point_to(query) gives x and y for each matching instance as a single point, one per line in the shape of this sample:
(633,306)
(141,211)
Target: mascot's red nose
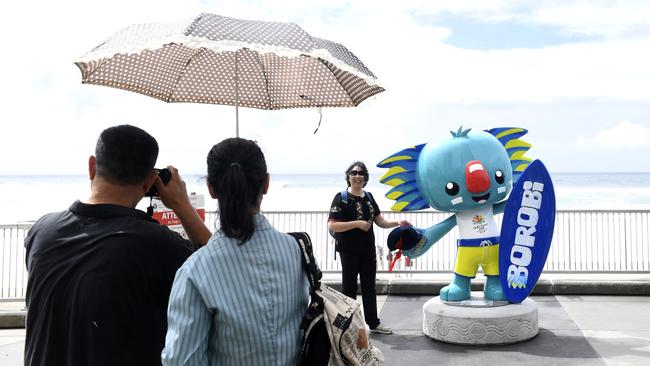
(476,177)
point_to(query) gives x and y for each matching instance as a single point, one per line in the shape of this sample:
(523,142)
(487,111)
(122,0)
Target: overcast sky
(574,73)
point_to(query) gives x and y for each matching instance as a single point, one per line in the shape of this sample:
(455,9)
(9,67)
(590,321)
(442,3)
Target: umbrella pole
(236,121)
(236,95)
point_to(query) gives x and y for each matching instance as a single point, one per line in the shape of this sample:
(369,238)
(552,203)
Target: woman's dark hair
(364,172)
(236,172)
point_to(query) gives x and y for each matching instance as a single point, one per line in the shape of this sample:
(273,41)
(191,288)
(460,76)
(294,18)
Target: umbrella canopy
(220,60)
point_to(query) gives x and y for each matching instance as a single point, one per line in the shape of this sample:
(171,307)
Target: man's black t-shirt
(357,208)
(98,287)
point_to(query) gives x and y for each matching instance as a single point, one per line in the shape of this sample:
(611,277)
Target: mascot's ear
(401,176)
(516,148)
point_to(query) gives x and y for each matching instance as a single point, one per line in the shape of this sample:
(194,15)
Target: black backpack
(333,329)
(315,348)
(344,199)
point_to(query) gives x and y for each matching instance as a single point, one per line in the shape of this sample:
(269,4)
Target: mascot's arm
(499,207)
(431,236)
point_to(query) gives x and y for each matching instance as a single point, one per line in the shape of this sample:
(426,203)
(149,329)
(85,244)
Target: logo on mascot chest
(478,223)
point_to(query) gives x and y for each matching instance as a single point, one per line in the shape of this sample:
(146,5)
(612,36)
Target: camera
(165,175)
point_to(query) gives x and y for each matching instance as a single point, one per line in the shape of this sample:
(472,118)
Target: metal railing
(583,241)
(13,274)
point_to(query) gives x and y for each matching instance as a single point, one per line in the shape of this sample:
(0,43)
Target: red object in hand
(392,264)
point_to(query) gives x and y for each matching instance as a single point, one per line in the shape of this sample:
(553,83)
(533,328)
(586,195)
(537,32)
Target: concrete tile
(598,298)
(12,332)
(610,314)
(410,298)
(543,298)
(621,347)
(404,313)
(11,354)
(9,336)
(552,316)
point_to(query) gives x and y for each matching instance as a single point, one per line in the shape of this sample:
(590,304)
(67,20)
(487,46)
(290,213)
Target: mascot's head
(470,170)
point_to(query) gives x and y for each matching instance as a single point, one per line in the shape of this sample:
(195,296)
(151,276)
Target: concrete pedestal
(479,321)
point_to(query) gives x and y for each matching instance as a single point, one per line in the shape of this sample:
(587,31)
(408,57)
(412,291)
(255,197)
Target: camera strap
(150,208)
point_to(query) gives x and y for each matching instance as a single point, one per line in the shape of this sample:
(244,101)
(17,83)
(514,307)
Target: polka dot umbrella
(220,60)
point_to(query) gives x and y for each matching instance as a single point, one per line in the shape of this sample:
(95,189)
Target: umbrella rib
(182,73)
(357,91)
(266,78)
(340,76)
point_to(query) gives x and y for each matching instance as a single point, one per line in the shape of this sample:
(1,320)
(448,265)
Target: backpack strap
(309,264)
(344,200)
(344,196)
(370,197)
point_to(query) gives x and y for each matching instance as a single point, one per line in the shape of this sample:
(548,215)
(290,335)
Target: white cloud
(600,18)
(624,135)
(611,18)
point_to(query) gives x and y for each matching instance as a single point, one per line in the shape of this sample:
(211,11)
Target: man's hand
(173,194)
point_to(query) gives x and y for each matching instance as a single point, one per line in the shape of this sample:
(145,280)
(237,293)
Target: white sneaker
(380,328)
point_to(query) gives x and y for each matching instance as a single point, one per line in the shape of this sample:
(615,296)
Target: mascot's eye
(499,177)
(452,188)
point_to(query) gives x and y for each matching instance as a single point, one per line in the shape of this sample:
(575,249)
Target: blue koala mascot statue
(469,175)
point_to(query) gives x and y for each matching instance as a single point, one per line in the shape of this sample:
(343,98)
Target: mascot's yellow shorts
(468,259)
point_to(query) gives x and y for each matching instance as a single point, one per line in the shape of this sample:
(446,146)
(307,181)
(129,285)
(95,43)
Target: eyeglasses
(352,173)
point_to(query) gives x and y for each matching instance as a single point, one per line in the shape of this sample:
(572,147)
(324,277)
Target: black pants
(363,264)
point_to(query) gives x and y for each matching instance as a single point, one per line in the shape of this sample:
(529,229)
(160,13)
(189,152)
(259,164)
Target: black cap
(403,237)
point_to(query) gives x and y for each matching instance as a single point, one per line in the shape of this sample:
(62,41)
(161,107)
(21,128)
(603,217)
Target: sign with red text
(167,217)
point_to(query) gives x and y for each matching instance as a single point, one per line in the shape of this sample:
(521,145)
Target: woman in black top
(352,219)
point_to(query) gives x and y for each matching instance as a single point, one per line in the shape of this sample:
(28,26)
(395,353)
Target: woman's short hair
(364,172)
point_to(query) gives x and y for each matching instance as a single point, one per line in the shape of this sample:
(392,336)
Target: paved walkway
(575,329)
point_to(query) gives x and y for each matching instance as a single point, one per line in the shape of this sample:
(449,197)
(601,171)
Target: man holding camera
(101,271)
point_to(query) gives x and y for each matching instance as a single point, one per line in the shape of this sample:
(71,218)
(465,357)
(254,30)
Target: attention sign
(167,217)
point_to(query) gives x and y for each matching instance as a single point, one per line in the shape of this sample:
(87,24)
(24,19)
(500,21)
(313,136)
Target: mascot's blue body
(469,175)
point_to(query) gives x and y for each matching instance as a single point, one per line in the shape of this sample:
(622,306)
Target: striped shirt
(238,304)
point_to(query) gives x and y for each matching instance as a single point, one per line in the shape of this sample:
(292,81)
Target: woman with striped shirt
(240,299)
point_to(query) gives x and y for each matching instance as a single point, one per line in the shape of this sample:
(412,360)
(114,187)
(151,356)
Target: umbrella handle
(320,119)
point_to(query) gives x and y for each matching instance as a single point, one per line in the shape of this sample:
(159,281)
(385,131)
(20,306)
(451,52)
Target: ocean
(26,198)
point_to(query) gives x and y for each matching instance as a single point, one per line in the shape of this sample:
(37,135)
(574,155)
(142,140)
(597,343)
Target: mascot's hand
(404,239)
(408,239)
(420,247)
(431,236)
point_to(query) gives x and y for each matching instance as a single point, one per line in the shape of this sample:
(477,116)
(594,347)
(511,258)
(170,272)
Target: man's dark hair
(125,154)
(364,172)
